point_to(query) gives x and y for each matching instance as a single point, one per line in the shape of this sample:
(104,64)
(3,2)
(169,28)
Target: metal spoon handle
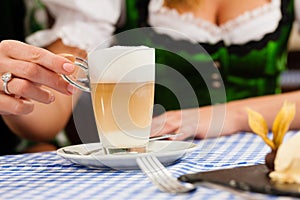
(99,149)
(164,136)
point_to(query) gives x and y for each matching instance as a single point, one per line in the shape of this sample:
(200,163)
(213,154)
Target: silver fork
(161,177)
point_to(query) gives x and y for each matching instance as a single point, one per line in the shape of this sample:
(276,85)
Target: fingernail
(71,89)
(68,67)
(52,98)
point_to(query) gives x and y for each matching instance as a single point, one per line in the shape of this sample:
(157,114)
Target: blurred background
(290,79)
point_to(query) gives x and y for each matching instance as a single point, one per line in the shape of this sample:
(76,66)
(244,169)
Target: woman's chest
(232,21)
(216,12)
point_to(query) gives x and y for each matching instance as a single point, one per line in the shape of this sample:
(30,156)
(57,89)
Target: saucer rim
(167,156)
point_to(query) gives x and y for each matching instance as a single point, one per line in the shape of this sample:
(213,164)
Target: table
(48,176)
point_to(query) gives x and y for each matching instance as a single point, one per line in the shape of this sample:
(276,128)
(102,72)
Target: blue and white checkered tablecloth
(48,176)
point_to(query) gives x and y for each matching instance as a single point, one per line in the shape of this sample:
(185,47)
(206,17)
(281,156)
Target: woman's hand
(223,119)
(32,68)
(203,122)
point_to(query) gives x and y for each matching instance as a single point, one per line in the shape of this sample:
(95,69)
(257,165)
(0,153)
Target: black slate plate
(250,178)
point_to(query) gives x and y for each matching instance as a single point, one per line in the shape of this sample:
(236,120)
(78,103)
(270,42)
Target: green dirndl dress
(248,70)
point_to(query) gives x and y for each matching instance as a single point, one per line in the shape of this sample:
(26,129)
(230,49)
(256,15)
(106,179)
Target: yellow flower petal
(282,122)
(257,123)
(259,126)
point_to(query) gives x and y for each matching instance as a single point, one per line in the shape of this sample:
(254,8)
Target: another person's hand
(32,68)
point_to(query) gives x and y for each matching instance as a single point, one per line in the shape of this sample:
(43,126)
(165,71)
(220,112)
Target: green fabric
(254,74)
(33,22)
(258,72)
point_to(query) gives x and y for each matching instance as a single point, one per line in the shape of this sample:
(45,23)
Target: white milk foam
(122,64)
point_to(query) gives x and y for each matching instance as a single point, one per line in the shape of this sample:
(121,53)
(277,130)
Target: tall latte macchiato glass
(121,83)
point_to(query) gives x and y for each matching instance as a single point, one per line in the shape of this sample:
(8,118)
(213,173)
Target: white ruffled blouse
(79,23)
(85,24)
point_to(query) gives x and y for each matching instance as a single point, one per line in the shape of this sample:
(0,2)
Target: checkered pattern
(48,176)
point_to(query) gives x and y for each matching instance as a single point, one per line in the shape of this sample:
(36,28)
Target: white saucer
(166,151)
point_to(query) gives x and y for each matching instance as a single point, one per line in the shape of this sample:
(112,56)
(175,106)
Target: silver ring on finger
(6,77)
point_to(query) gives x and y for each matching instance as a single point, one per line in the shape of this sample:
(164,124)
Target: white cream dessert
(287,161)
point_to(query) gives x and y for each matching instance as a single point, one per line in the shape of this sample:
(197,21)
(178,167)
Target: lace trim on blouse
(250,26)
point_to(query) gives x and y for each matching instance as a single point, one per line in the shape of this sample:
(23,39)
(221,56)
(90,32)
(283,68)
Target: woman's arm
(223,119)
